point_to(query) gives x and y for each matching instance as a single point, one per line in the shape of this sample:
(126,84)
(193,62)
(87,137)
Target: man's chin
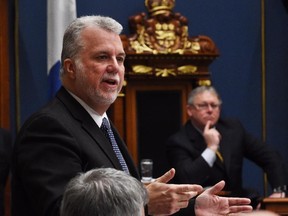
(110,98)
(105,98)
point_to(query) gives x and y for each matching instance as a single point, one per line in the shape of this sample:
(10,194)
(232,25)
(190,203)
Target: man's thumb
(216,188)
(167,176)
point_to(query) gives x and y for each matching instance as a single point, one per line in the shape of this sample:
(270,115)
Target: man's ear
(69,67)
(188,110)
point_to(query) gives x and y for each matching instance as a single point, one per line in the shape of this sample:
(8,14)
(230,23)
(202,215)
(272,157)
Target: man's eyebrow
(122,54)
(100,52)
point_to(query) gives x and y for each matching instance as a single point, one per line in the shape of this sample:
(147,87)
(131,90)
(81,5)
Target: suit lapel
(88,124)
(224,147)
(195,137)
(95,132)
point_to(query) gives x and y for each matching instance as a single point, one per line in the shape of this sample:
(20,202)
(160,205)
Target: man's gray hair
(72,43)
(102,192)
(199,90)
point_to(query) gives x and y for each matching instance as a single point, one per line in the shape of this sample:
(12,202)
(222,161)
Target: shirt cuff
(209,156)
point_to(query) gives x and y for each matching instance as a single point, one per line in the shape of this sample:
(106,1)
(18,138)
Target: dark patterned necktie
(105,127)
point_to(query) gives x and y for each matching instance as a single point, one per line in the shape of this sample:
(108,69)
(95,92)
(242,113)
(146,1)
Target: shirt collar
(95,116)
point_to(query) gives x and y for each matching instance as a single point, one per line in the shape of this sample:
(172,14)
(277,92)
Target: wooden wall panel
(4,83)
(4,66)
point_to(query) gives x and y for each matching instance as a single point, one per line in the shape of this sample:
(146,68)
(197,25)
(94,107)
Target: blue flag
(60,13)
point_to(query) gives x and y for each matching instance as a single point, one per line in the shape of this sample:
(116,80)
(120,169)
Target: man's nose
(209,107)
(113,66)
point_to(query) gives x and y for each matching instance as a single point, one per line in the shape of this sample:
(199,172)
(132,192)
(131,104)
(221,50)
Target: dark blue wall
(235,27)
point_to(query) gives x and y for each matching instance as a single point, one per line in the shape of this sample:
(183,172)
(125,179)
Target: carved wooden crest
(160,47)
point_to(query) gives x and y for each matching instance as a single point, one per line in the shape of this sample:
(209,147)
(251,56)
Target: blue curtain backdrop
(235,27)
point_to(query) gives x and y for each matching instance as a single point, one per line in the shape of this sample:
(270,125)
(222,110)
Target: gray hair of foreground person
(72,42)
(102,192)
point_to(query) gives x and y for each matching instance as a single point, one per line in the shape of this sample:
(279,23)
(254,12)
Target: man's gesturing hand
(166,199)
(208,203)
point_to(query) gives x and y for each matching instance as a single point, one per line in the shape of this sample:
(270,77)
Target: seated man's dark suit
(184,154)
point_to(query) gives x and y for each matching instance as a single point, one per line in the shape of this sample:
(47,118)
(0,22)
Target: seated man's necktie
(219,155)
(105,127)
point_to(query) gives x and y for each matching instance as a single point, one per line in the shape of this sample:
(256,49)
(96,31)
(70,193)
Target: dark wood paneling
(4,83)
(4,67)
(153,111)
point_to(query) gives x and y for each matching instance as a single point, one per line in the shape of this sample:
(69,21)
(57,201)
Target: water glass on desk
(146,167)
(282,189)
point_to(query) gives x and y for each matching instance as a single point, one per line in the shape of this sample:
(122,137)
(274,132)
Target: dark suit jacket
(184,154)
(5,159)
(54,145)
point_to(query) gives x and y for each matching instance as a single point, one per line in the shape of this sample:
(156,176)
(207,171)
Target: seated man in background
(104,191)
(208,149)
(5,158)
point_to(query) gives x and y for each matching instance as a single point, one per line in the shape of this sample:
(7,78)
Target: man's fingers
(188,195)
(237,209)
(190,188)
(167,176)
(239,201)
(216,188)
(239,205)
(183,204)
(188,191)
(207,126)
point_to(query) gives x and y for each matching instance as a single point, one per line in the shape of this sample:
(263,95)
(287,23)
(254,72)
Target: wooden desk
(277,205)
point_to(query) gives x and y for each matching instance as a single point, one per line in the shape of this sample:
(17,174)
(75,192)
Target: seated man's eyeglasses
(206,106)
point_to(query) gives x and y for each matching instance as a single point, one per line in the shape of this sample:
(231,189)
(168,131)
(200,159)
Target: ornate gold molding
(160,47)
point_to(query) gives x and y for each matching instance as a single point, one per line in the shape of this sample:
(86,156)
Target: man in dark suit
(5,158)
(208,149)
(65,137)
